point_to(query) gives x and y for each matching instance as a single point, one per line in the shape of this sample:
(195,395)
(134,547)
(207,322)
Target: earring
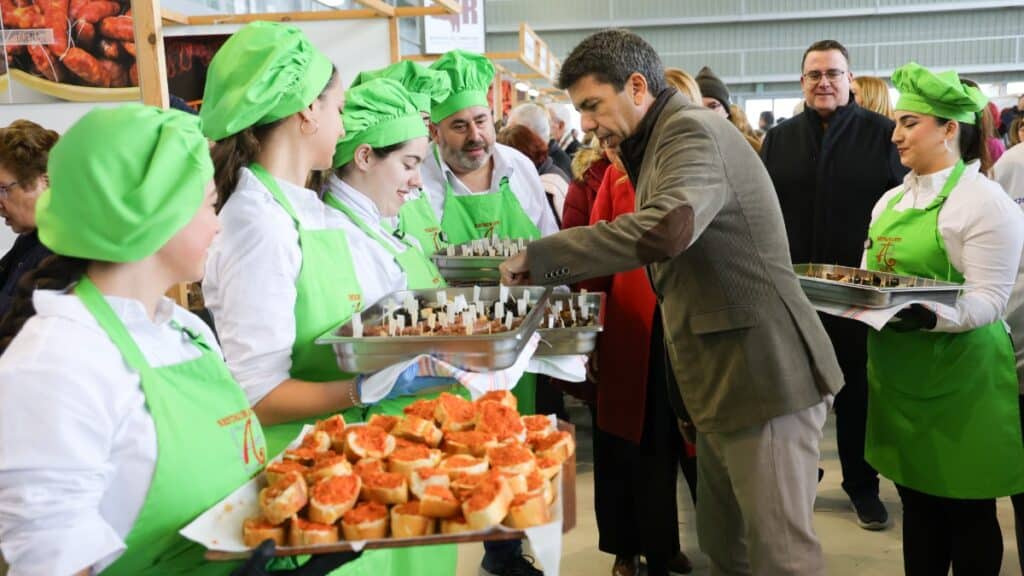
(302,127)
(946,144)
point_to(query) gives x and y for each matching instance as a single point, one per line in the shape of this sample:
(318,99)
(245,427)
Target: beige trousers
(755,497)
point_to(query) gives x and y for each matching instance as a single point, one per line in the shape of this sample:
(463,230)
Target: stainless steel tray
(906,288)
(574,340)
(479,353)
(468,268)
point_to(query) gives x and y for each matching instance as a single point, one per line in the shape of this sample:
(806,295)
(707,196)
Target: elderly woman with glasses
(24,148)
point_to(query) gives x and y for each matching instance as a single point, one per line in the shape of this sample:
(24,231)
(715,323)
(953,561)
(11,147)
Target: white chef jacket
(1009,172)
(251,273)
(77,444)
(383,275)
(983,232)
(508,162)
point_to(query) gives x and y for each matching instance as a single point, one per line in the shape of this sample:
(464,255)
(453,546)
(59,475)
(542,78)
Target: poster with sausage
(71,50)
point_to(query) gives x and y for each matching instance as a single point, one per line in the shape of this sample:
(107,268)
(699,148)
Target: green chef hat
(471,75)
(123,181)
(426,87)
(942,95)
(264,72)
(379,113)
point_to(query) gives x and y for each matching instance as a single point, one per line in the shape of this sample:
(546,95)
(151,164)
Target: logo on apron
(488,227)
(253,453)
(884,257)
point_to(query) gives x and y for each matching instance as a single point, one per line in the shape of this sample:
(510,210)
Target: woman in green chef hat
(113,399)
(377,163)
(943,416)
(282,271)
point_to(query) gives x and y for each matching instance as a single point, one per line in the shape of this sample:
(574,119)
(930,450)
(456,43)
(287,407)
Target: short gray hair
(533,116)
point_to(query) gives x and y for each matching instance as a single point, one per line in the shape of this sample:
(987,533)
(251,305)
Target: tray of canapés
(571,323)
(871,289)
(447,470)
(477,260)
(475,328)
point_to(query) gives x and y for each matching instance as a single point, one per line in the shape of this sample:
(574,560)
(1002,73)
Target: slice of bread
(305,533)
(335,429)
(385,488)
(284,499)
(331,498)
(454,413)
(328,466)
(420,430)
(421,478)
(367,521)
(368,442)
(408,521)
(439,502)
(488,504)
(526,511)
(256,530)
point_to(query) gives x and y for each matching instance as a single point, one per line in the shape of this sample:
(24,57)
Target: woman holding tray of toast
(943,415)
(114,400)
(286,267)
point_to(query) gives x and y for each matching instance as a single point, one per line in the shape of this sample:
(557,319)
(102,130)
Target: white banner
(464,31)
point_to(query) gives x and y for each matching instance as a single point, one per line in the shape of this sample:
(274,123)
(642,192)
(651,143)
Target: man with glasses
(830,164)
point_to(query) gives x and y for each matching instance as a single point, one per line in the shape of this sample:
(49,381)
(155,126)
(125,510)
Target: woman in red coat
(636,439)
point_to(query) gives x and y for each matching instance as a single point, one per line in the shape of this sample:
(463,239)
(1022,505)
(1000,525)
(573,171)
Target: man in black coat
(830,165)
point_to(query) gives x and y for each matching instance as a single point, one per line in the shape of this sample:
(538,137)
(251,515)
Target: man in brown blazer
(751,360)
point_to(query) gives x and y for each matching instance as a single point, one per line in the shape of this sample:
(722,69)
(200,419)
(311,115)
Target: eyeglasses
(5,189)
(832,74)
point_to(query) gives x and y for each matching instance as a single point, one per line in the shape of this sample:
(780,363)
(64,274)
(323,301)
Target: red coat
(576,212)
(580,198)
(624,346)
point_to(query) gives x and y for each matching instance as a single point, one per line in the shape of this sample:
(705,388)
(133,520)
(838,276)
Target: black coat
(561,159)
(22,258)
(828,181)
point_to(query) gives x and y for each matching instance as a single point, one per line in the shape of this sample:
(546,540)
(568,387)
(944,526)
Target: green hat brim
(910,102)
(395,131)
(458,102)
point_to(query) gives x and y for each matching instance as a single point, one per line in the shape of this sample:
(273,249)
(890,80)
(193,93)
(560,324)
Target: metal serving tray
(478,353)
(909,288)
(468,268)
(575,340)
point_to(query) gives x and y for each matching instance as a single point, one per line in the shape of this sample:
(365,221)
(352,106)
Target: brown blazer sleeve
(682,187)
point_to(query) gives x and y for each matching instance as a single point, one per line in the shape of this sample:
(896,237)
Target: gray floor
(849,550)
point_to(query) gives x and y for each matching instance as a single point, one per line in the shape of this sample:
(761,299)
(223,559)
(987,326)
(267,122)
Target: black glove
(319,564)
(915,317)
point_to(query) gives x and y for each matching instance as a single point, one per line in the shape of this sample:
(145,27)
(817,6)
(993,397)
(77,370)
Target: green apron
(943,414)
(420,271)
(204,429)
(466,217)
(331,254)
(421,274)
(327,292)
(416,218)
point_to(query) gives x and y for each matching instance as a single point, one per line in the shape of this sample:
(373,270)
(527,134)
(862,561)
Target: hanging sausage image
(90,42)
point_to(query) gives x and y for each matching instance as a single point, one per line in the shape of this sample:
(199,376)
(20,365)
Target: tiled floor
(849,550)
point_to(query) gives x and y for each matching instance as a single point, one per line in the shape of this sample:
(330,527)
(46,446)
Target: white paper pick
(503,293)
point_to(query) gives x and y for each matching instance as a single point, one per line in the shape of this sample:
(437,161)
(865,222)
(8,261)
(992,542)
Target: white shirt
(251,273)
(382,275)
(508,162)
(983,232)
(1009,172)
(77,444)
